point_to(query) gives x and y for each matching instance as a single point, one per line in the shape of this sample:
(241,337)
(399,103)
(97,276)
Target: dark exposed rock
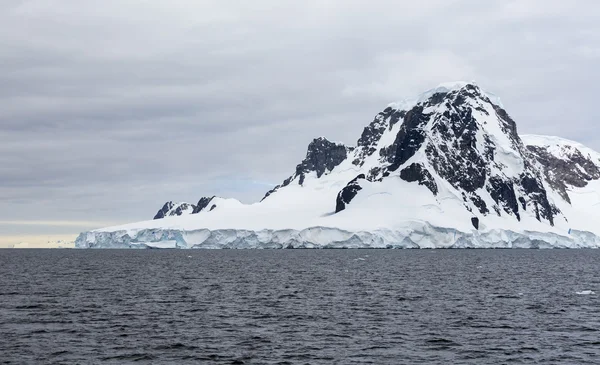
(183,207)
(375,174)
(162,211)
(509,127)
(456,158)
(272,191)
(534,189)
(167,210)
(202,203)
(417,172)
(479,203)
(373,132)
(503,193)
(322,156)
(408,140)
(475,222)
(348,193)
(523,203)
(574,170)
(436,99)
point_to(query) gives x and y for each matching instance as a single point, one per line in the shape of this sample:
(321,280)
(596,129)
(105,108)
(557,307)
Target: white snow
(446,87)
(390,213)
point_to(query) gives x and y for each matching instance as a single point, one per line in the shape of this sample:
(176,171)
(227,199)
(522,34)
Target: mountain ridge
(451,158)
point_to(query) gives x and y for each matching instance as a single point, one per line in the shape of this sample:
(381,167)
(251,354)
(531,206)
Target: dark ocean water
(300,306)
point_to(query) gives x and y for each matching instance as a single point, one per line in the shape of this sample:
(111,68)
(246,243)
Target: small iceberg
(586,292)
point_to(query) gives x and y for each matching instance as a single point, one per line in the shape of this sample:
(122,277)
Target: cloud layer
(108,109)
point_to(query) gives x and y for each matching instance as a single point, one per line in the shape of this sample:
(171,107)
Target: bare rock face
(416,172)
(348,193)
(572,168)
(171,209)
(322,156)
(203,204)
(162,212)
(367,142)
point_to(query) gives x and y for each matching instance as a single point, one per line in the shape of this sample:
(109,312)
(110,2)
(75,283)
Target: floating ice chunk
(586,292)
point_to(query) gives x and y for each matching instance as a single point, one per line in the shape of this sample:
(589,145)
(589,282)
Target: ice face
(414,235)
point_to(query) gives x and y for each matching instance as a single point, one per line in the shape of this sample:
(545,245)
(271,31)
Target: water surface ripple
(300,306)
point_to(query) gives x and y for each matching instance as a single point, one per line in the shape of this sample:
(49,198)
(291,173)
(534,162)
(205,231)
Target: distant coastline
(53,241)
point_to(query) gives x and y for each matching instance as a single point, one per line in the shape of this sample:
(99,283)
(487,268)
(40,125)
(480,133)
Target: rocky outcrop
(322,156)
(416,172)
(348,193)
(203,204)
(370,136)
(571,168)
(409,140)
(171,209)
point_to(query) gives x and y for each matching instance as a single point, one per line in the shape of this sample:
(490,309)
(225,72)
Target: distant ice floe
(586,292)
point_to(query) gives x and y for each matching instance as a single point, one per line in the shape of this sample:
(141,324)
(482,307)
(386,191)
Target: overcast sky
(110,108)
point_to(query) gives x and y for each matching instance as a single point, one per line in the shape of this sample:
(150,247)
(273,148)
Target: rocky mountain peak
(171,209)
(204,203)
(464,138)
(456,135)
(322,156)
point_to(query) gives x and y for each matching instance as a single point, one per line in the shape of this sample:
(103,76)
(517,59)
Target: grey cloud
(107,109)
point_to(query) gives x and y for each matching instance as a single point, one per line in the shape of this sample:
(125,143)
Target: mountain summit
(446,169)
(457,140)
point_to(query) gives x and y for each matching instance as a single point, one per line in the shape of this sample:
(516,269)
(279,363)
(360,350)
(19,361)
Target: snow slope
(444,170)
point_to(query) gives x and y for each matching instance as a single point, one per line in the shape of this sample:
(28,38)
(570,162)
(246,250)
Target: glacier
(446,169)
(414,236)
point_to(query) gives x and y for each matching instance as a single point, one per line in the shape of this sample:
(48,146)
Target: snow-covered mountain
(446,169)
